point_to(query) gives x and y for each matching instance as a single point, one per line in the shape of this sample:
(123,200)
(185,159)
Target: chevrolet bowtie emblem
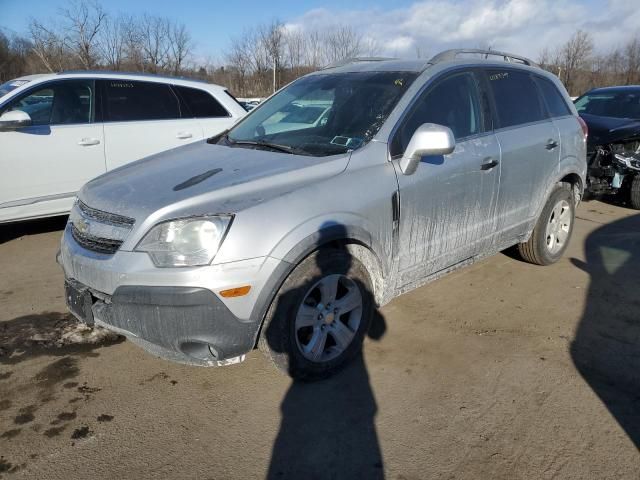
(82,225)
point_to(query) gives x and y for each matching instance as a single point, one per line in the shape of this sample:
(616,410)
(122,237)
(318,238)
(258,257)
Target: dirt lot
(502,370)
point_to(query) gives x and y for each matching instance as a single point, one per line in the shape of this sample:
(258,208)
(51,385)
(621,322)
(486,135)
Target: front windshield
(324,114)
(11,85)
(620,104)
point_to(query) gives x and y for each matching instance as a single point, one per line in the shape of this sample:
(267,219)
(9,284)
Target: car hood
(204,179)
(604,130)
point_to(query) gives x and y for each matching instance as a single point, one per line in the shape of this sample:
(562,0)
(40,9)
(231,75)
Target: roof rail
(125,72)
(507,57)
(347,61)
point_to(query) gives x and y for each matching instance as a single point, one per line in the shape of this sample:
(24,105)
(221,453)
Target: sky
(400,28)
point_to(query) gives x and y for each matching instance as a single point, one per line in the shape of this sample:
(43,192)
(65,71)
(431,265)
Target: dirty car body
(395,189)
(613,149)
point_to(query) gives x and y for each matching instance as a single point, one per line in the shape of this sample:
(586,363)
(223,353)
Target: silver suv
(345,189)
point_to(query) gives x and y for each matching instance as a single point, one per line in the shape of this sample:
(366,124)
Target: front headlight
(186,242)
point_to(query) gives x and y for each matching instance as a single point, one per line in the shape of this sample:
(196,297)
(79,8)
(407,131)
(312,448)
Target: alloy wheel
(328,318)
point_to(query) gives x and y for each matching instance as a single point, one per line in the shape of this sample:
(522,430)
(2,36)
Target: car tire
(302,315)
(552,232)
(634,193)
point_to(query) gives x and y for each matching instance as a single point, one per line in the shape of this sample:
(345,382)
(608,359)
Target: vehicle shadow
(606,347)
(327,428)
(11,231)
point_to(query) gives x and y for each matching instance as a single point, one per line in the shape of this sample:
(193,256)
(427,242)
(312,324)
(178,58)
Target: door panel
(45,164)
(130,141)
(528,164)
(530,145)
(447,206)
(142,119)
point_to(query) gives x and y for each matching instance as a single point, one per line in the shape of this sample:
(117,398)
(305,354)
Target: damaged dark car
(612,115)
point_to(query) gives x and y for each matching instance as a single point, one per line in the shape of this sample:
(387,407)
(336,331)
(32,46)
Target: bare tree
(134,55)
(342,42)
(314,46)
(239,60)
(295,51)
(47,46)
(632,61)
(153,35)
(262,58)
(113,40)
(83,21)
(272,38)
(573,56)
(180,46)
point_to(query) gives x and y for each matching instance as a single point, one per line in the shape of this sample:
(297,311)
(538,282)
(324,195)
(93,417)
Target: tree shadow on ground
(327,428)
(606,347)
(11,231)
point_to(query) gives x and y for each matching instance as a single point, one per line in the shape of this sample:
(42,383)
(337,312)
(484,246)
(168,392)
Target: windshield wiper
(216,138)
(273,146)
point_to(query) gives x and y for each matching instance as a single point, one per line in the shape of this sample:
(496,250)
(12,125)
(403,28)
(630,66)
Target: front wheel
(319,317)
(552,233)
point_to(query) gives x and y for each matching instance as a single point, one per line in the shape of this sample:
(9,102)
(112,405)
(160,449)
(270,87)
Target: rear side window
(127,101)
(452,102)
(556,106)
(200,104)
(516,98)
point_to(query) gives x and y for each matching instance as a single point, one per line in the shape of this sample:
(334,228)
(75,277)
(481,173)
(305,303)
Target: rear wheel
(634,193)
(319,317)
(552,233)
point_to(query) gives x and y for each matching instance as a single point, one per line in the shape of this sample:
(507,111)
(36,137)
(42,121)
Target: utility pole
(275,65)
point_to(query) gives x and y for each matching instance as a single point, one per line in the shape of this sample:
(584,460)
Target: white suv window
(129,101)
(57,103)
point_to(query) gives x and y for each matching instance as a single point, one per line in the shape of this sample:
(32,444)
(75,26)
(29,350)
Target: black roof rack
(449,55)
(348,61)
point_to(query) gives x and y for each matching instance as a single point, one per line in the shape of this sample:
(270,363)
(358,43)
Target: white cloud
(520,26)
(400,44)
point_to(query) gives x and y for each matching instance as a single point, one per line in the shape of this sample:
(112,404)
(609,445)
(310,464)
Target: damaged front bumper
(173,313)
(183,324)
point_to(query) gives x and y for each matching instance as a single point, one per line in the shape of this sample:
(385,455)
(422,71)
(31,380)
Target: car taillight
(585,129)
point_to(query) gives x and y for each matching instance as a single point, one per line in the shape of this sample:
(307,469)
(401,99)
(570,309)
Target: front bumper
(184,324)
(174,313)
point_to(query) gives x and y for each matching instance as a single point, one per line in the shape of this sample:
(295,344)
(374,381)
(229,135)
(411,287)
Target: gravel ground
(503,370)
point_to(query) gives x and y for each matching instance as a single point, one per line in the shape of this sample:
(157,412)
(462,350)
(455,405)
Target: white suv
(58,131)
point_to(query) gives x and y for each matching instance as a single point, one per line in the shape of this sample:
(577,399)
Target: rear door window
(516,98)
(58,103)
(129,101)
(556,105)
(453,102)
(199,104)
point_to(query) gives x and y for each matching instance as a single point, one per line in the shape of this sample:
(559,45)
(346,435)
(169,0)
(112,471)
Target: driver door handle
(489,163)
(87,142)
(551,144)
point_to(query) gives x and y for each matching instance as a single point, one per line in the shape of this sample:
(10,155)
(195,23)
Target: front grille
(105,217)
(95,244)
(97,230)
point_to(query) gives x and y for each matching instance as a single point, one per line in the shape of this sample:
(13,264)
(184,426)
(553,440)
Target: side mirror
(13,120)
(428,139)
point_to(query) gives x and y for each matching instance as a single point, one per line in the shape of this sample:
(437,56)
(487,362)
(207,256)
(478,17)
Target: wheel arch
(353,239)
(577,185)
